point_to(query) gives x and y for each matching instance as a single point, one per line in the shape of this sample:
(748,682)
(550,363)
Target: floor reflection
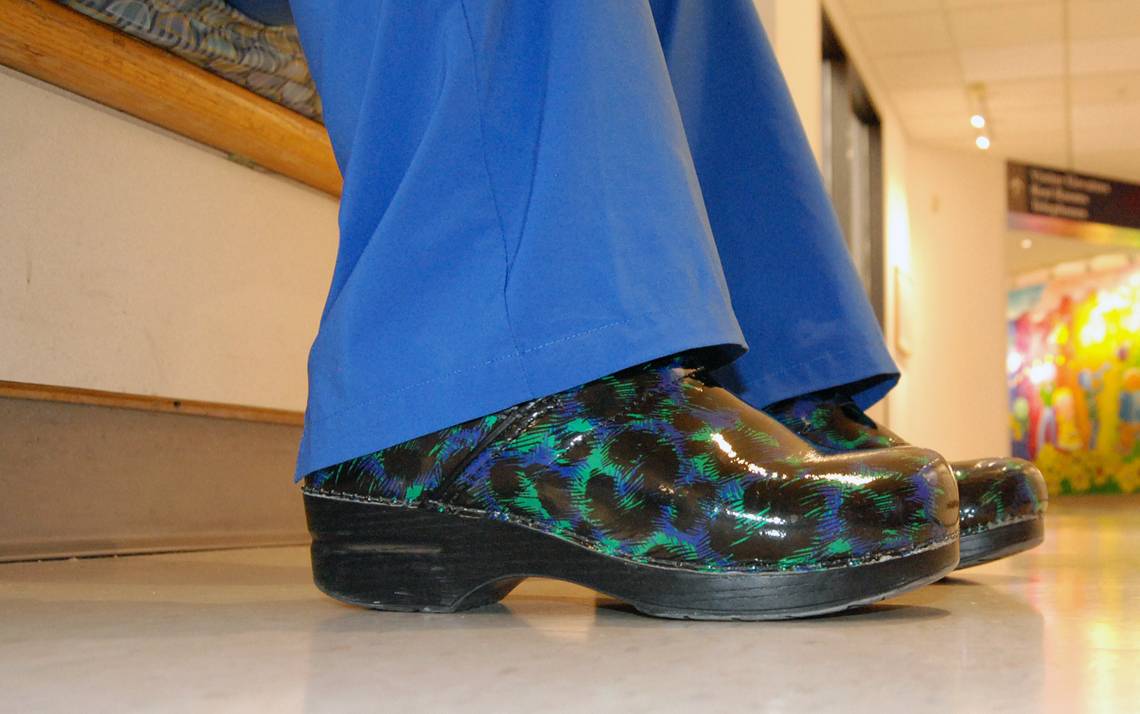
(1057,629)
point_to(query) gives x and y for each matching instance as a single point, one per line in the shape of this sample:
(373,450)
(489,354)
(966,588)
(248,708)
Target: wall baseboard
(82,479)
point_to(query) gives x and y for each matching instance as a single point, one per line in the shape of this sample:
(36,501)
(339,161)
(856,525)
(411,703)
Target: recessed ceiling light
(982,142)
(1027,243)
(977,121)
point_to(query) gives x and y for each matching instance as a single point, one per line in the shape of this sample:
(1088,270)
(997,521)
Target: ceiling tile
(940,128)
(1104,18)
(1101,88)
(926,56)
(1118,164)
(956,144)
(862,8)
(1042,154)
(1023,121)
(1037,146)
(1027,138)
(901,34)
(1106,127)
(1003,63)
(1025,93)
(1044,148)
(1121,54)
(952,4)
(922,71)
(923,102)
(1008,25)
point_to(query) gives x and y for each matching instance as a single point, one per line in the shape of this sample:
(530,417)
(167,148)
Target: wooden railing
(62,47)
(170,405)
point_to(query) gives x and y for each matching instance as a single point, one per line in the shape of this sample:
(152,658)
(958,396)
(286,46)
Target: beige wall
(794,28)
(951,312)
(133,260)
(945,223)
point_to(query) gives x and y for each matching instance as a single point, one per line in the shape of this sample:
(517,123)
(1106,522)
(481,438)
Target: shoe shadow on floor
(545,625)
(968,579)
(879,612)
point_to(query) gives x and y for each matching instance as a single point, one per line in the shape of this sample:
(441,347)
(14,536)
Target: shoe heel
(401,558)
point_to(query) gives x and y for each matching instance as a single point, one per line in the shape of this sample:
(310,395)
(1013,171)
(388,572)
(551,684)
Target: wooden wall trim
(141,402)
(65,48)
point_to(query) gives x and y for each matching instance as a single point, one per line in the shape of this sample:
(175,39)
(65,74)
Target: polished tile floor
(1057,629)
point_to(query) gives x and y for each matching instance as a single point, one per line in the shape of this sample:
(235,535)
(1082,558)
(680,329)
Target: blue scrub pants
(538,194)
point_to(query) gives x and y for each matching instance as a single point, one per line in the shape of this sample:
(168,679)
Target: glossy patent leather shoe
(652,486)
(1003,500)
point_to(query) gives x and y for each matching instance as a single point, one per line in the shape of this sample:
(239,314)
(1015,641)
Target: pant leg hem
(868,367)
(377,421)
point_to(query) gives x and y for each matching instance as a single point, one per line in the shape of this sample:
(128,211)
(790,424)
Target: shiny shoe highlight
(653,486)
(1003,500)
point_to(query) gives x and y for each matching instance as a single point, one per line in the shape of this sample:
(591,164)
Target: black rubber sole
(985,546)
(390,557)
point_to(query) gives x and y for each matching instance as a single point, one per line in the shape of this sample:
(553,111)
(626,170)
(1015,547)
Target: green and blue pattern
(660,466)
(994,492)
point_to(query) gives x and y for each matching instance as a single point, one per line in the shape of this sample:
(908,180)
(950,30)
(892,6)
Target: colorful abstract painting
(1074,380)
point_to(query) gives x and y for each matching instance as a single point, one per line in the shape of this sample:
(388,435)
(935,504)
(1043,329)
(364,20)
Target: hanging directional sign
(1074,205)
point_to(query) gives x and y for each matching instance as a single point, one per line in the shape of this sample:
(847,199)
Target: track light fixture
(978,116)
